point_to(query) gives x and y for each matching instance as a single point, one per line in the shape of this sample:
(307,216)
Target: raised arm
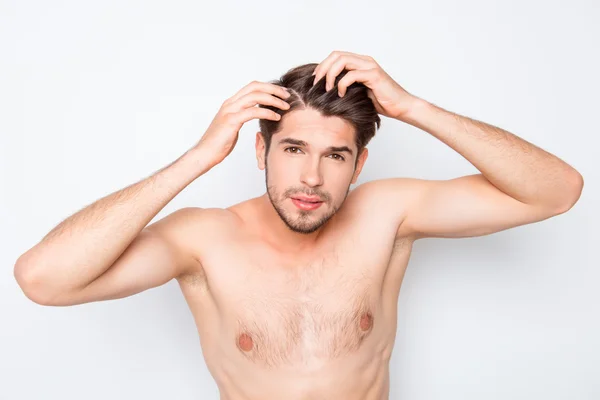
(104,250)
(108,241)
(162,251)
(519,182)
(466,206)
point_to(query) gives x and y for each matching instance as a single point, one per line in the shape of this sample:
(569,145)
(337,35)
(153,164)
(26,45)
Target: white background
(97,95)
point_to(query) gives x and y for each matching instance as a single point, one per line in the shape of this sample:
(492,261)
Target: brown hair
(355,107)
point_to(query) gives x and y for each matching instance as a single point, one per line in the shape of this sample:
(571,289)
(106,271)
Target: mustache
(295,191)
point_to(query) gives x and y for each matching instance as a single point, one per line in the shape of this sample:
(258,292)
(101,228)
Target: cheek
(281,176)
(340,177)
(341,184)
(284,170)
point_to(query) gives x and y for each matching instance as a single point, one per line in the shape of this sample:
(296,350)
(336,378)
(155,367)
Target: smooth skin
(289,303)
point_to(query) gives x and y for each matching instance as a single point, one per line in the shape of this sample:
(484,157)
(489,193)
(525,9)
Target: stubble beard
(304,223)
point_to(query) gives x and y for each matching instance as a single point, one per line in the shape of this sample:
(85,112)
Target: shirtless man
(294,293)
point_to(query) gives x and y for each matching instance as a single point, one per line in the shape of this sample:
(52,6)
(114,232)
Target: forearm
(87,243)
(515,166)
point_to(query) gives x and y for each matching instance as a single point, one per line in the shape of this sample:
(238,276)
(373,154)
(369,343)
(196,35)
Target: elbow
(575,188)
(30,285)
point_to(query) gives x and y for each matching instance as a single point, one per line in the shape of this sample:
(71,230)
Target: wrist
(414,111)
(200,158)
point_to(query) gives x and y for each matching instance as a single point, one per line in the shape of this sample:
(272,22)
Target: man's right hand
(222,134)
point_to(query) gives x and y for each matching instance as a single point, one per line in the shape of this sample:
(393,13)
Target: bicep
(467,206)
(153,258)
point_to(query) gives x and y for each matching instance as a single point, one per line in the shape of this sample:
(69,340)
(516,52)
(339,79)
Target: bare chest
(299,311)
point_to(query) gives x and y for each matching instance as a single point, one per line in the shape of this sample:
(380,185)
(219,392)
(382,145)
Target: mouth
(305,203)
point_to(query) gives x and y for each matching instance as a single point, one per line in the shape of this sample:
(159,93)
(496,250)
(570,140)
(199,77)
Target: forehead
(313,127)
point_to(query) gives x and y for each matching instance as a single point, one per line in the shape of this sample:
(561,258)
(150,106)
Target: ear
(359,165)
(260,150)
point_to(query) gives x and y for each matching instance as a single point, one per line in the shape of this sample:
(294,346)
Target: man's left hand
(390,99)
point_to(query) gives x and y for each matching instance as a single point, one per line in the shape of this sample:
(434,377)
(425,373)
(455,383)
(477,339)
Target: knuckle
(243,98)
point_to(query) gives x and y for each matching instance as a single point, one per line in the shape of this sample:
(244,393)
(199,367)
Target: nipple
(245,342)
(366,321)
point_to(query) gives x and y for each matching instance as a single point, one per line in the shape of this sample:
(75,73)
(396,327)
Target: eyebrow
(303,143)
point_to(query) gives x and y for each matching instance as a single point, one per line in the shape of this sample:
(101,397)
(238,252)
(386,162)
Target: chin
(307,221)
(304,229)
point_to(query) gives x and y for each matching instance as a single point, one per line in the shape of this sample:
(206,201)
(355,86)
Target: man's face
(312,156)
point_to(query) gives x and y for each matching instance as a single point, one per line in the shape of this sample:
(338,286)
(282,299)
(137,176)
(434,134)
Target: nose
(311,174)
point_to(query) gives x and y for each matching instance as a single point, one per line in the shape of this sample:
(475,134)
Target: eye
(339,157)
(293,149)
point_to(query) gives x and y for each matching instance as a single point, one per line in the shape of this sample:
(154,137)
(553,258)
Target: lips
(308,199)
(306,205)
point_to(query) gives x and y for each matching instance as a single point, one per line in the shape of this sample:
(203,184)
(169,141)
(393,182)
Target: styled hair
(355,107)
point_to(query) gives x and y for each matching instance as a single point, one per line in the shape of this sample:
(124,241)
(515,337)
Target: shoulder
(191,220)
(191,230)
(388,199)
(388,193)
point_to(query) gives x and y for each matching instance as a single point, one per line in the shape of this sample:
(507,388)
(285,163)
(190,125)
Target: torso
(320,325)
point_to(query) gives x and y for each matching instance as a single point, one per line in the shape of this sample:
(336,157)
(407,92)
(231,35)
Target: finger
(324,66)
(254,98)
(364,76)
(247,114)
(260,86)
(375,102)
(344,62)
(319,69)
